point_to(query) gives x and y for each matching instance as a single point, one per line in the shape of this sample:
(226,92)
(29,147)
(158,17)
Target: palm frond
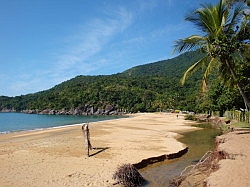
(209,19)
(190,43)
(201,18)
(192,69)
(210,66)
(236,16)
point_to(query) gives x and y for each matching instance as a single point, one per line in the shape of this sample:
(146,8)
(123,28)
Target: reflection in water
(199,142)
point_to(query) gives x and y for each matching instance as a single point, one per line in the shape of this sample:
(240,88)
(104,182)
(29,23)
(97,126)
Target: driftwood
(207,164)
(128,176)
(86,134)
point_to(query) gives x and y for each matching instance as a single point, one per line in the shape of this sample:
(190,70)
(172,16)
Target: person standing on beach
(85,130)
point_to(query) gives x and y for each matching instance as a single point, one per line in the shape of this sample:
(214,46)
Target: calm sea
(10,122)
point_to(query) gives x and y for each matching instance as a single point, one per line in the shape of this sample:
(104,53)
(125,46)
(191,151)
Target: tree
(219,98)
(231,2)
(225,42)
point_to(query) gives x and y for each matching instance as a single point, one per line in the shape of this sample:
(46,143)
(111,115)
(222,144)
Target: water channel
(199,142)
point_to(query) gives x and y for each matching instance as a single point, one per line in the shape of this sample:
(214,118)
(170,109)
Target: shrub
(190,117)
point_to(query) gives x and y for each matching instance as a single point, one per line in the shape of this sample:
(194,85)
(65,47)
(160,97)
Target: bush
(190,117)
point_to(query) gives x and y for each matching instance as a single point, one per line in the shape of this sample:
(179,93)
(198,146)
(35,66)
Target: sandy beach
(57,157)
(234,170)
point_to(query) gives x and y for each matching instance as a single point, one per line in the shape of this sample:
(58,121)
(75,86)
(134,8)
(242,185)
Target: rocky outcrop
(7,110)
(84,110)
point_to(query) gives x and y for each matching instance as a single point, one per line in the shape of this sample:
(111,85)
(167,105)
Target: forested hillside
(172,68)
(145,88)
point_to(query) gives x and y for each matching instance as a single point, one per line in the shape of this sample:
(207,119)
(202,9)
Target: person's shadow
(98,150)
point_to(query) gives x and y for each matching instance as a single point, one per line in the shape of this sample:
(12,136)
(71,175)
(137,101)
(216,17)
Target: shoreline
(39,129)
(56,156)
(60,126)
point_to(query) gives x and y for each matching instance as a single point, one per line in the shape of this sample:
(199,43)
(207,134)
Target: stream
(199,142)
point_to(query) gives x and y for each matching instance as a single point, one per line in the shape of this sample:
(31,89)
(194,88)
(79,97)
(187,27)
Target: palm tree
(222,43)
(230,2)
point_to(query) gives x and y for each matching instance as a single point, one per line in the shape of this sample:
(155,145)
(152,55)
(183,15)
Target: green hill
(148,87)
(172,68)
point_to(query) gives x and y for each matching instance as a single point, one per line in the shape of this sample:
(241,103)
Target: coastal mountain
(150,87)
(172,68)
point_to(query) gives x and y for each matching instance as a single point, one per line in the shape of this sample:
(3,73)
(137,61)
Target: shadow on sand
(98,150)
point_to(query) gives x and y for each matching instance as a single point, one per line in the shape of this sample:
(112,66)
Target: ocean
(11,122)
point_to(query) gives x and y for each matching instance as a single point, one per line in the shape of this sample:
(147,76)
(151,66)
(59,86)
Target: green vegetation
(190,117)
(150,87)
(236,125)
(225,43)
(146,88)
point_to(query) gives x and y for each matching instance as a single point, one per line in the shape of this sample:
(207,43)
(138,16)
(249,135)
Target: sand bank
(56,157)
(233,171)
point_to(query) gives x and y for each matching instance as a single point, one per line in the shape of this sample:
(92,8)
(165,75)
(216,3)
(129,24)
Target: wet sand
(57,157)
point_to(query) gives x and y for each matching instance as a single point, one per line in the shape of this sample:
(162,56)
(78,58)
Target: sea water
(10,122)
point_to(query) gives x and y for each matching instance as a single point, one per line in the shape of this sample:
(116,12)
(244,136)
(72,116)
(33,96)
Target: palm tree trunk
(246,100)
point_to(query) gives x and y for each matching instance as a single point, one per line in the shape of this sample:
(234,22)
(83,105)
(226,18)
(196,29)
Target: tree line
(225,43)
(137,89)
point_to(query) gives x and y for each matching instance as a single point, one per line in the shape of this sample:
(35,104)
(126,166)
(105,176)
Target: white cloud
(77,56)
(22,83)
(90,40)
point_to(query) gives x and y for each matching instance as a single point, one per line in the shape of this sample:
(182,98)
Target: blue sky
(46,42)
